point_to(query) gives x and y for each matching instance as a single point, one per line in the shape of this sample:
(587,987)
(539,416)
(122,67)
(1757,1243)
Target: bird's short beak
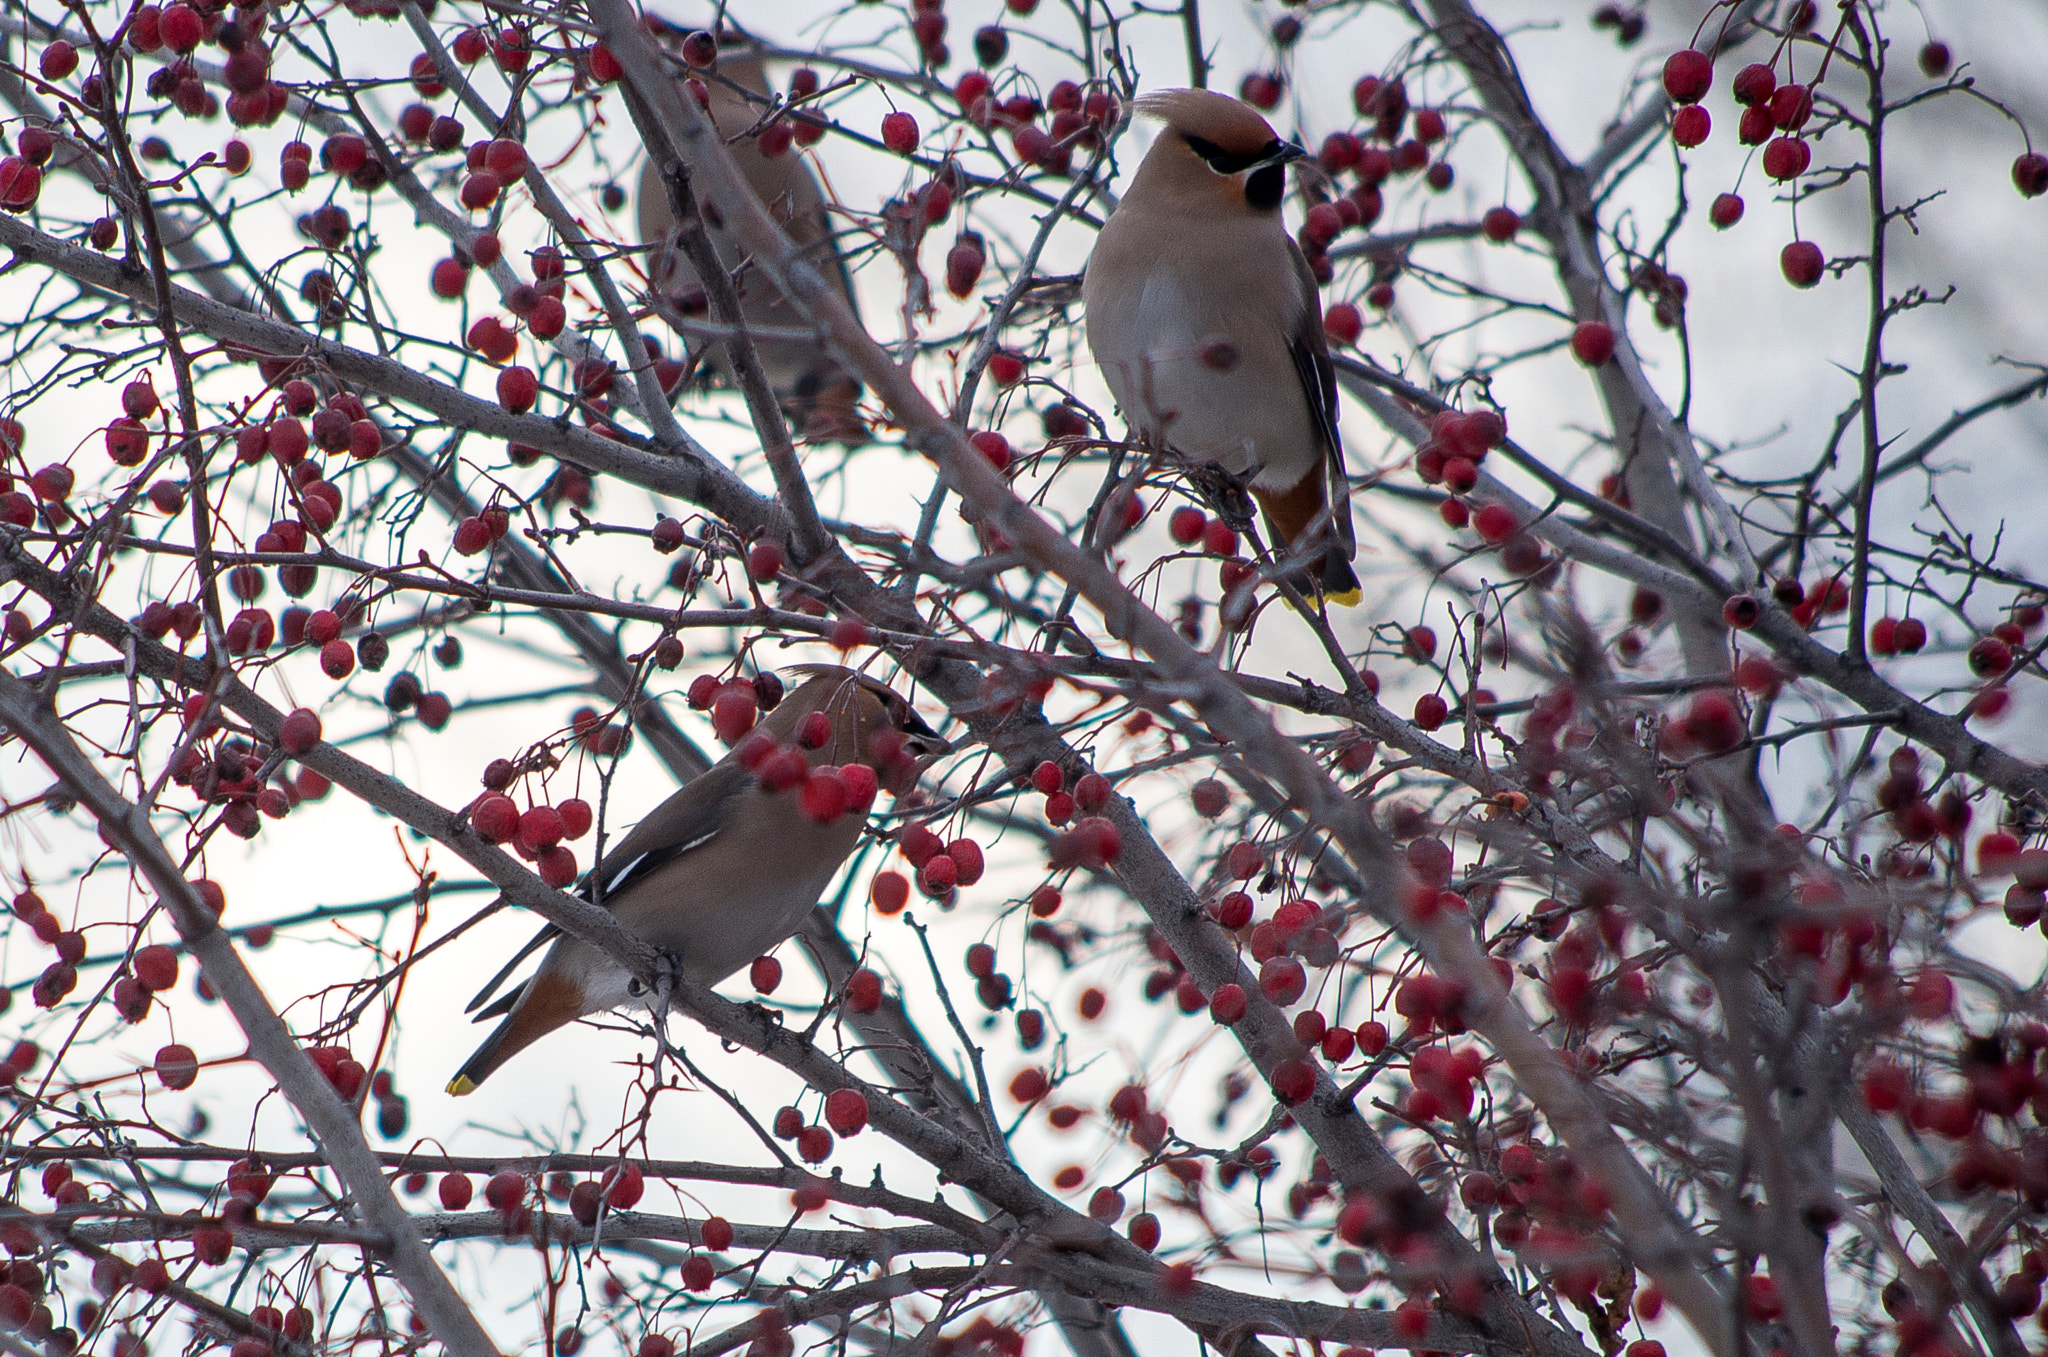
(1284,152)
(928,746)
(922,741)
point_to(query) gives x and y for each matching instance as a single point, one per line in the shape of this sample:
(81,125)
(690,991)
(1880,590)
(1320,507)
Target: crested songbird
(818,392)
(726,868)
(1203,315)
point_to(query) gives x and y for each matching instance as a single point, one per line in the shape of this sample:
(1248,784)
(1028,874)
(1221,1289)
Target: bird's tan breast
(1190,322)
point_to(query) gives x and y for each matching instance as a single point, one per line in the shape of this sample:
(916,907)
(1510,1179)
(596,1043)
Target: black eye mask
(1267,183)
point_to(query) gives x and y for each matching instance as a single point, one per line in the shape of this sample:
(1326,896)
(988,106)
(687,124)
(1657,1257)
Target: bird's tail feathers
(1330,580)
(481,1064)
(1339,583)
(547,1002)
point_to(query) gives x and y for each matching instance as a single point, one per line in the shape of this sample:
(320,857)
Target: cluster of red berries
(941,868)
(846,1115)
(536,834)
(824,791)
(1189,526)
(1081,117)
(254,99)
(1092,843)
(61,976)
(1549,1212)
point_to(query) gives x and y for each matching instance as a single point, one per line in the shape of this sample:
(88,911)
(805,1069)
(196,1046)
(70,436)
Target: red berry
(846,1112)
(1430,711)
(765,974)
(1787,157)
(968,863)
(1754,84)
(764,560)
(505,1191)
(1343,323)
(1690,125)
(180,28)
(1219,539)
(1725,211)
(1261,90)
(1500,224)
(1294,1081)
(1688,75)
(623,1186)
(814,1144)
(156,967)
(299,732)
(177,1067)
(495,818)
(59,59)
(1714,723)
(1790,107)
(1592,343)
(2030,174)
(455,1191)
(864,991)
(1802,263)
(964,263)
(1496,523)
(939,876)
(890,892)
(337,659)
(1184,525)
(1990,657)
(540,827)
(899,133)
(518,389)
(993,446)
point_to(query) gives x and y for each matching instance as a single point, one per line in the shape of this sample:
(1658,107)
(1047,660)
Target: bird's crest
(900,713)
(1228,123)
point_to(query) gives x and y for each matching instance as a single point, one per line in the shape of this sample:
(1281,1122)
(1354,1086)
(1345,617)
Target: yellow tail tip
(1350,598)
(461,1086)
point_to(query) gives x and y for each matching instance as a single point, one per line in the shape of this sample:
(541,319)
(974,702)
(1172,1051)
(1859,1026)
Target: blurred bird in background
(1204,318)
(820,395)
(725,869)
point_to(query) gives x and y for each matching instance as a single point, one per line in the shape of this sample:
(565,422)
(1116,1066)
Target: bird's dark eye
(636,987)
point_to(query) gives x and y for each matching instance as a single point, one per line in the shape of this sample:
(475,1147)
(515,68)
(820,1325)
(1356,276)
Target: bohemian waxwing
(1204,318)
(726,868)
(820,394)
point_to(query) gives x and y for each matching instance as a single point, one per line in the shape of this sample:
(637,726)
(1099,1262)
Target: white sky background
(1768,368)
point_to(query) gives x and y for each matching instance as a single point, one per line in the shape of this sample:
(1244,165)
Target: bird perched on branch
(726,868)
(1203,315)
(819,394)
